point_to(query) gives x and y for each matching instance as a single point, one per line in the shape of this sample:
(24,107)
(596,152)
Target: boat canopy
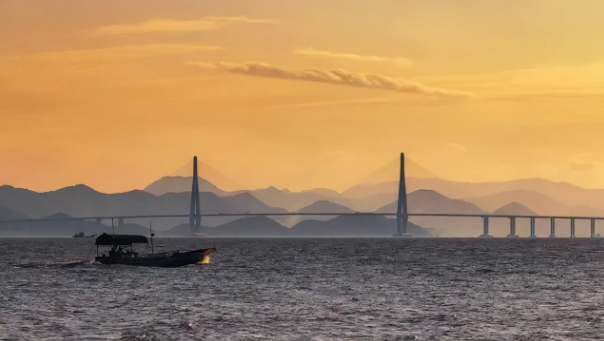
(120,239)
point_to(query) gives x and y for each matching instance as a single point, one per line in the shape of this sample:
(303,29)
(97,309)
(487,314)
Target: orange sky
(299,94)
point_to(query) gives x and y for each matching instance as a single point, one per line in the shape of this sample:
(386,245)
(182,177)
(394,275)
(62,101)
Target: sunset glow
(299,94)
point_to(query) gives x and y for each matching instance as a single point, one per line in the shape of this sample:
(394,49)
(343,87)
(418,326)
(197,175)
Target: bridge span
(485,218)
(402,215)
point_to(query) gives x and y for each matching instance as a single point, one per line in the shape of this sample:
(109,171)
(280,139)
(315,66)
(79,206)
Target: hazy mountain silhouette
(244,227)
(354,226)
(341,226)
(321,206)
(563,192)
(249,203)
(181,230)
(83,201)
(325,206)
(6,214)
(391,172)
(210,174)
(537,202)
(290,201)
(250,227)
(179,184)
(514,208)
(367,190)
(293,201)
(428,201)
(63,228)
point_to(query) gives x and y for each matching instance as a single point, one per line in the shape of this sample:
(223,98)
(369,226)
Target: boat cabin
(122,245)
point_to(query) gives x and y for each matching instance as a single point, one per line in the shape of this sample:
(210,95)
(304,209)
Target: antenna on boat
(152,234)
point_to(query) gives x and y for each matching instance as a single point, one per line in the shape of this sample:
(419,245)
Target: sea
(309,289)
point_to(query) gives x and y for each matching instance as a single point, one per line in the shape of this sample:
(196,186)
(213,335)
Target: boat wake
(51,265)
(205,260)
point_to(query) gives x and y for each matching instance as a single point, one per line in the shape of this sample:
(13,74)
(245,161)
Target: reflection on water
(308,289)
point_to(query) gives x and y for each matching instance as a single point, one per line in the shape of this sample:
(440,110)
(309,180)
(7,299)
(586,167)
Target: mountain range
(83,201)
(565,193)
(341,226)
(427,194)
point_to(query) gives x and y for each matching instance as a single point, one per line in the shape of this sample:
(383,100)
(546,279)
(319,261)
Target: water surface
(309,289)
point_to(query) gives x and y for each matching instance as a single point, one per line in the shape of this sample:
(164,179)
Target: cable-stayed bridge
(402,215)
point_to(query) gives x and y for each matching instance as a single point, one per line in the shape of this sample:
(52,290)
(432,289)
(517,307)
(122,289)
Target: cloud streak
(171,25)
(336,77)
(310,52)
(119,52)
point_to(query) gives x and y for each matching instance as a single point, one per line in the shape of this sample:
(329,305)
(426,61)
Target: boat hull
(168,261)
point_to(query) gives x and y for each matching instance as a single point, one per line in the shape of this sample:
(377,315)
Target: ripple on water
(309,289)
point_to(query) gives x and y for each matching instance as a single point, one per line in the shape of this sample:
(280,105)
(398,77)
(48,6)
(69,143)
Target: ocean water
(309,289)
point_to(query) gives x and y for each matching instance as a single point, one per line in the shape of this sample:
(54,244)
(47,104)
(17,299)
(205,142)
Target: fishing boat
(123,252)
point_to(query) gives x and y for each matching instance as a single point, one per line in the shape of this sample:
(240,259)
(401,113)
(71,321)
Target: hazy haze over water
(310,289)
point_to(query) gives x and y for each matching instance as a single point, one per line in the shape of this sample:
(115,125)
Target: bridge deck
(452,215)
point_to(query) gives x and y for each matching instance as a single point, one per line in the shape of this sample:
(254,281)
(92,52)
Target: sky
(299,94)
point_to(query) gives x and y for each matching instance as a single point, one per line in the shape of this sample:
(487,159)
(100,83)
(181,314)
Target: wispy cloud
(243,19)
(337,77)
(118,52)
(171,25)
(351,56)
(585,80)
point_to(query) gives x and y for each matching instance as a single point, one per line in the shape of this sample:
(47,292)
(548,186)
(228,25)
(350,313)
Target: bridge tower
(195,214)
(402,215)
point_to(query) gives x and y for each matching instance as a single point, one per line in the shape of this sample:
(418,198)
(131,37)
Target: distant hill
(537,202)
(6,214)
(562,192)
(248,227)
(353,226)
(325,206)
(63,228)
(83,201)
(391,172)
(210,174)
(428,201)
(178,184)
(248,203)
(514,208)
(342,226)
(294,201)
(242,227)
(291,201)
(181,230)
(321,206)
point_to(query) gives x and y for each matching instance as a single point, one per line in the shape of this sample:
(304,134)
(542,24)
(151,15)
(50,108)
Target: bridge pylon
(402,214)
(195,213)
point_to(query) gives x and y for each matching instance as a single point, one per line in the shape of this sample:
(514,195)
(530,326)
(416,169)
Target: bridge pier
(402,215)
(593,229)
(533,234)
(572,227)
(485,228)
(120,221)
(98,221)
(512,228)
(552,232)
